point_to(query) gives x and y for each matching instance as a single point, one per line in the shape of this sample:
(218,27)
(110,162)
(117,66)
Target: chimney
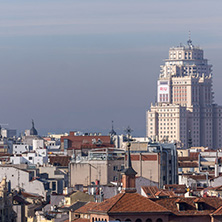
(72,133)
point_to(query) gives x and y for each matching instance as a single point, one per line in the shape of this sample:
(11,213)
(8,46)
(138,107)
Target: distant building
(20,148)
(39,156)
(201,168)
(56,176)
(32,139)
(6,204)
(156,162)
(75,144)
(23,179)
(125,206)
(33,131)
(103,164)
(130,206)
(6,145)
(8,133)
(185,109)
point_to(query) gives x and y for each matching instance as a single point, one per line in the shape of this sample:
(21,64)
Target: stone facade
(185,101)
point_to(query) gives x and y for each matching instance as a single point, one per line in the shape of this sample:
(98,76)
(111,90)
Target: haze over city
(80,64)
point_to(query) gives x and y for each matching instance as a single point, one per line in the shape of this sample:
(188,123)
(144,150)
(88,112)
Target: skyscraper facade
(185,109)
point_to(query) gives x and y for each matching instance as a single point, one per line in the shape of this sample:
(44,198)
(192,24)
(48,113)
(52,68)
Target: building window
(66,144)
(115,168)
(114,178)
(53,185)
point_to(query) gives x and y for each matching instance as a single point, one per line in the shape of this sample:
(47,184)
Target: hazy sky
(79,64)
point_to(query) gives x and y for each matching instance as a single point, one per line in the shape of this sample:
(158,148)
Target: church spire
(112,132)
(128,175)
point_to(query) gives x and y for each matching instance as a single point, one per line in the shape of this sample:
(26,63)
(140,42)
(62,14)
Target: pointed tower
(33,131)
(128,175)
(112,132)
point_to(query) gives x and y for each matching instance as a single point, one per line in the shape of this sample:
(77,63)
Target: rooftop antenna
(128,131)
(189,42)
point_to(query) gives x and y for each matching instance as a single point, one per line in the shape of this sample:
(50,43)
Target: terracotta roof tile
(211,204)
(187,164)
(128,202)
(86,208)
(217,212)
(144,157)
(177,189)
(194,154)
(150,190)
(188,158)
(165,193)
(59,160)
(153,192)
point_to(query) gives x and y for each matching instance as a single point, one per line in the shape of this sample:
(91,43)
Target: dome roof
(33,131)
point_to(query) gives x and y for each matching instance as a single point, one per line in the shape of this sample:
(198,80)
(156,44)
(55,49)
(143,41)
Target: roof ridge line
(123,194)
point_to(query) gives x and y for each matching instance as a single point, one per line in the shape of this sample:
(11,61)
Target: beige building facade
(185,105)
(86,172)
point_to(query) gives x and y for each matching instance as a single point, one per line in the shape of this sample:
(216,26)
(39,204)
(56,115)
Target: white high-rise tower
(185,106)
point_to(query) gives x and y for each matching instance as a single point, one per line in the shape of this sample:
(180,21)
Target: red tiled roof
(94,146)
(187,164)
(187,158)
(150,190)
(165,193)
(5,154)
(59,160)
(176,188)
(128,202)
(144,157)
(153,192)
(210,150)
(86,208)
(194,154)
(210,205)
(200,177)
(79,142)
(217,212)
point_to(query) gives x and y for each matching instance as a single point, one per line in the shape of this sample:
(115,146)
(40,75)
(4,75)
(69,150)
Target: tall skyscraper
(185,109)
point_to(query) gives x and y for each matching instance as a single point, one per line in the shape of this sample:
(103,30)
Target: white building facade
(185,107)
(20,148)
(37,157)
(22,179)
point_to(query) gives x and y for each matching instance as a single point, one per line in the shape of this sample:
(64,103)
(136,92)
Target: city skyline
(80,65)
